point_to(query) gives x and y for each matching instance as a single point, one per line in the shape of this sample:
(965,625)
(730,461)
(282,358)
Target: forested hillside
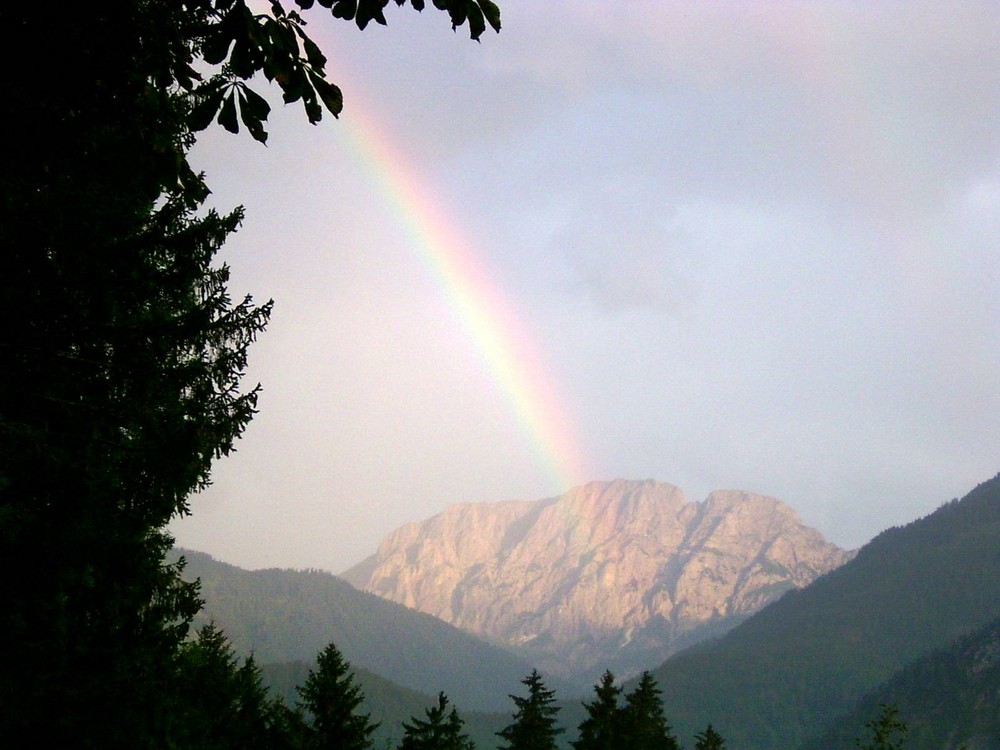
(287,615)
(948,699)
(788,671)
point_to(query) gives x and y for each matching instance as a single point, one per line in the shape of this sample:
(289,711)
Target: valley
(780,677)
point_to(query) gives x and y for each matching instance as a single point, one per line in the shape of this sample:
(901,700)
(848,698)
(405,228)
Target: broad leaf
(227,115)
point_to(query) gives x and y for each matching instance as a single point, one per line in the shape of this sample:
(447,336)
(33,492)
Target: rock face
(610,575)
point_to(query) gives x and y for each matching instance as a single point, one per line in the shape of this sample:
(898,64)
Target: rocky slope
(612,574)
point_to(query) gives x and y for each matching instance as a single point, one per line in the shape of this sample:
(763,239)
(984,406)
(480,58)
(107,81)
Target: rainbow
(509,353)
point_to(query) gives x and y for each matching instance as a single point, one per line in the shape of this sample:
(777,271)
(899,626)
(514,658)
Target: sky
(723,245)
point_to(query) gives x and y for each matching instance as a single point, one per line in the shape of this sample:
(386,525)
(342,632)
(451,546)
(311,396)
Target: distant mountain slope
(786,672)
(287,615)
(611,574)
(948,699)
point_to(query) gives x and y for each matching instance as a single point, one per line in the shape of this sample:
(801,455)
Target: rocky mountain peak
(611,574)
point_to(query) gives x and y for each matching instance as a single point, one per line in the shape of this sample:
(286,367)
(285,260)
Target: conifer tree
(601,730)
(886,731)
(441,730)
(534,724)
(709,740)
(220,704)
(643,724)
(122,351)
(331,698)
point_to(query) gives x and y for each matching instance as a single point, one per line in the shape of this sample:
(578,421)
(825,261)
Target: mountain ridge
(610,574)
(790,669)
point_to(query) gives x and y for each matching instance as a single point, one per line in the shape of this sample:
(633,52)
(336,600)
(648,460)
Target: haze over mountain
(611,574)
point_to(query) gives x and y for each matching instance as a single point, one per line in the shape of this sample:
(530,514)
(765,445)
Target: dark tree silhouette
(643,725)
(534,724)
(709,740)
(222,704)
(885,732)
(602,729)
(441,730)
(332,699)
(122,351)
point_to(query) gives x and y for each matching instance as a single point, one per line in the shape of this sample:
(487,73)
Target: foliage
(534,724)
(288,615)
(222,704)
(644,726)
(442,730)
(709,740)
(601,729)
(947,698)
(122,351)
(242,44)
(390,705)
(123,355)
(885,731)
(331,698)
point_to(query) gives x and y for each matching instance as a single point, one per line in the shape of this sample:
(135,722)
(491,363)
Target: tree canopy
(601,730)
(643,722)
(332,700)
(441,729)
(123,352)
(534,725)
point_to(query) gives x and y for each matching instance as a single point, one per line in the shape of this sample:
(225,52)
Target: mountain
(288,615)
(948,699)
(609,575)
(787,672)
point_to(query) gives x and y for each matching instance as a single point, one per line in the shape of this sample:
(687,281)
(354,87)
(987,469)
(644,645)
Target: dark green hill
(948,699)
(789,670)
(287,615)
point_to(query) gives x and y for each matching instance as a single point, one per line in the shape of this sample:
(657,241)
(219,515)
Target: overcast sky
(721,245)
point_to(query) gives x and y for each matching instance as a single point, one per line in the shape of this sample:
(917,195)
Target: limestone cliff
(612,574)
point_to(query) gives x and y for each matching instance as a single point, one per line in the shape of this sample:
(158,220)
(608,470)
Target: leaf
(293,85)
(331,95)
(205,110)
(254,124)
(215,48)
(477,24)
(313,111)
(227,115)
(459,12)
(313,54)
(254,102)
(492,13)
(370,10)
(304,4)
(346,9)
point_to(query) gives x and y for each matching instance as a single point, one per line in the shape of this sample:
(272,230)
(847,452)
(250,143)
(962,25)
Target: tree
(122,352)
(644,726)
(442,730)
(886,731)
(709,740)
(601,730)
(331,698)
(534,725)
(222,704)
